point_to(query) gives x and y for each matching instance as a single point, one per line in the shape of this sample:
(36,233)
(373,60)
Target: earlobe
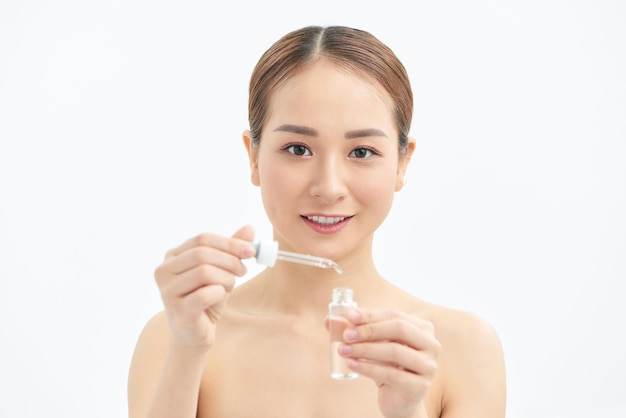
(405,159)
(400,182)
(252,156)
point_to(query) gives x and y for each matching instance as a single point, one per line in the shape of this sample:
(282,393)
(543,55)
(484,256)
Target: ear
(403,163)
(253,156)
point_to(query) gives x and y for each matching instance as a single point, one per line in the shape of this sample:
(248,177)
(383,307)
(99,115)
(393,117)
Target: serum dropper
(267,253)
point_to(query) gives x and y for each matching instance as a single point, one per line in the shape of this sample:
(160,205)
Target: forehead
(325,87)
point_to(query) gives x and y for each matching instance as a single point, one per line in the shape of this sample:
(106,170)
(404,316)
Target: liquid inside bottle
(342,302)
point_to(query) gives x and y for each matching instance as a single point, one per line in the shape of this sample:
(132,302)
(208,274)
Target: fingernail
(345,349)
(350,334)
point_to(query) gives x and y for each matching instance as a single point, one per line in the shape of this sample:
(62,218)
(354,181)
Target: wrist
(420,412)
(186,354)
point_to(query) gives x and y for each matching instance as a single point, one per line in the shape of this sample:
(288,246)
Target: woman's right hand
(195,280)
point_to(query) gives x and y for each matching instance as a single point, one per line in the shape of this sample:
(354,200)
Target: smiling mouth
(326,220)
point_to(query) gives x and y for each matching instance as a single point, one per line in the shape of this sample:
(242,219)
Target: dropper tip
(337,268)
(328,263)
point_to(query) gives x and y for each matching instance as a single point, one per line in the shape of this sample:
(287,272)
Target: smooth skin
(261,349)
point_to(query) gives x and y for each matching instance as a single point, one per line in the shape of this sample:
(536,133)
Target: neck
(305,291)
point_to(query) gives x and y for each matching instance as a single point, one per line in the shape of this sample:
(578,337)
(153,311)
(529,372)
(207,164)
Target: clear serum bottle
(342,302)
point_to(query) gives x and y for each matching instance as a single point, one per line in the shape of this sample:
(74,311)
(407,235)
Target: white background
(120,125)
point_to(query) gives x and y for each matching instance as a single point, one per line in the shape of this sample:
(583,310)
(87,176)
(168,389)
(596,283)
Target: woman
(330,111)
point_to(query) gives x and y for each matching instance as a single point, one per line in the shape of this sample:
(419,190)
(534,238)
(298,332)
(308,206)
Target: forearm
(177,389)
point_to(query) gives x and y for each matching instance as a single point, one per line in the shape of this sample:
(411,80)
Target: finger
(197,256)
(390,325)
(199,301)
(200,276)
(363,316)
(394,354)
(388,375)
(236,246)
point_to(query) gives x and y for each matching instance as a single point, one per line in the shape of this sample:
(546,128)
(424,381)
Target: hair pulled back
(355,50)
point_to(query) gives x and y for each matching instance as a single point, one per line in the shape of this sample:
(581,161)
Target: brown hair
(356,50)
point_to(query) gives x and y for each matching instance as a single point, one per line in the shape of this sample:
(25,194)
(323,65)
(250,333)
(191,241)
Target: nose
(328,181)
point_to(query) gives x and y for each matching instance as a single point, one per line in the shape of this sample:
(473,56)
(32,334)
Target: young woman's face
(328,162)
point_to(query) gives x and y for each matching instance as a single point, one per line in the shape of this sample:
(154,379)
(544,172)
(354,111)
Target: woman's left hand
(398,351)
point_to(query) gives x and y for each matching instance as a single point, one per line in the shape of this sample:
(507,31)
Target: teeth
(326,220)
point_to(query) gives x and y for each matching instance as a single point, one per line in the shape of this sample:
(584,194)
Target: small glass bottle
(338,308)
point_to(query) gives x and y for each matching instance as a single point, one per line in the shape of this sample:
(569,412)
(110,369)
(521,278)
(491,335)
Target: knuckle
(428,326)
(229,283)
(437,347)
(390,313)
(428,369)
(363,316)
(402,329)
(366,332)
(389,374)
(360,350)
(395,353)
(199,255)
(205,272)
(160,275)
(211,294)
(202,239)
(433,367)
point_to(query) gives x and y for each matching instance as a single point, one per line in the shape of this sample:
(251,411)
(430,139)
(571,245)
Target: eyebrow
(303,130)
(361,133)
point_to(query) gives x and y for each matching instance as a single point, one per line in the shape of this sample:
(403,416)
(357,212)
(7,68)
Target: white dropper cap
(266,252)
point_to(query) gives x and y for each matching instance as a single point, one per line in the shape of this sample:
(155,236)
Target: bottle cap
(266,252)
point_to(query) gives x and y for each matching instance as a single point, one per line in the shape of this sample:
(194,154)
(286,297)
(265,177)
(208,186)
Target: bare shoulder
(149,354)
(471,363)
(466,337)
(462,328)
(155,332)
(151,345)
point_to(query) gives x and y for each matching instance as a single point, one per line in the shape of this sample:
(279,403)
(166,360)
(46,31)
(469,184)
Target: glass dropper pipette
(267,253)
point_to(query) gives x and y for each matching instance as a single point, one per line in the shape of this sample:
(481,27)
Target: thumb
(245,233)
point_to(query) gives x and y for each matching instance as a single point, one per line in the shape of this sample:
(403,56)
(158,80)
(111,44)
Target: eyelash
(289,149)
(367,149)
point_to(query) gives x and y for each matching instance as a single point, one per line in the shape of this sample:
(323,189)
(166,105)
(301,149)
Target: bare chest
(266,371)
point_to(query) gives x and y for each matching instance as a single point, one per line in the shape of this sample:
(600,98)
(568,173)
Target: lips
(325,224)
(326,220)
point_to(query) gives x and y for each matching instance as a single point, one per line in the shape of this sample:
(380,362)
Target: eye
(298,149)
(362,153)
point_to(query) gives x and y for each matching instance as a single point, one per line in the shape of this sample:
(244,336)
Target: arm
(473,369)
(163,381)
(194,280)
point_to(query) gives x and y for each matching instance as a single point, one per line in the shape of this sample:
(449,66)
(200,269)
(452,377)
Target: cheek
(278,186)
(376,188)
(275,179)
